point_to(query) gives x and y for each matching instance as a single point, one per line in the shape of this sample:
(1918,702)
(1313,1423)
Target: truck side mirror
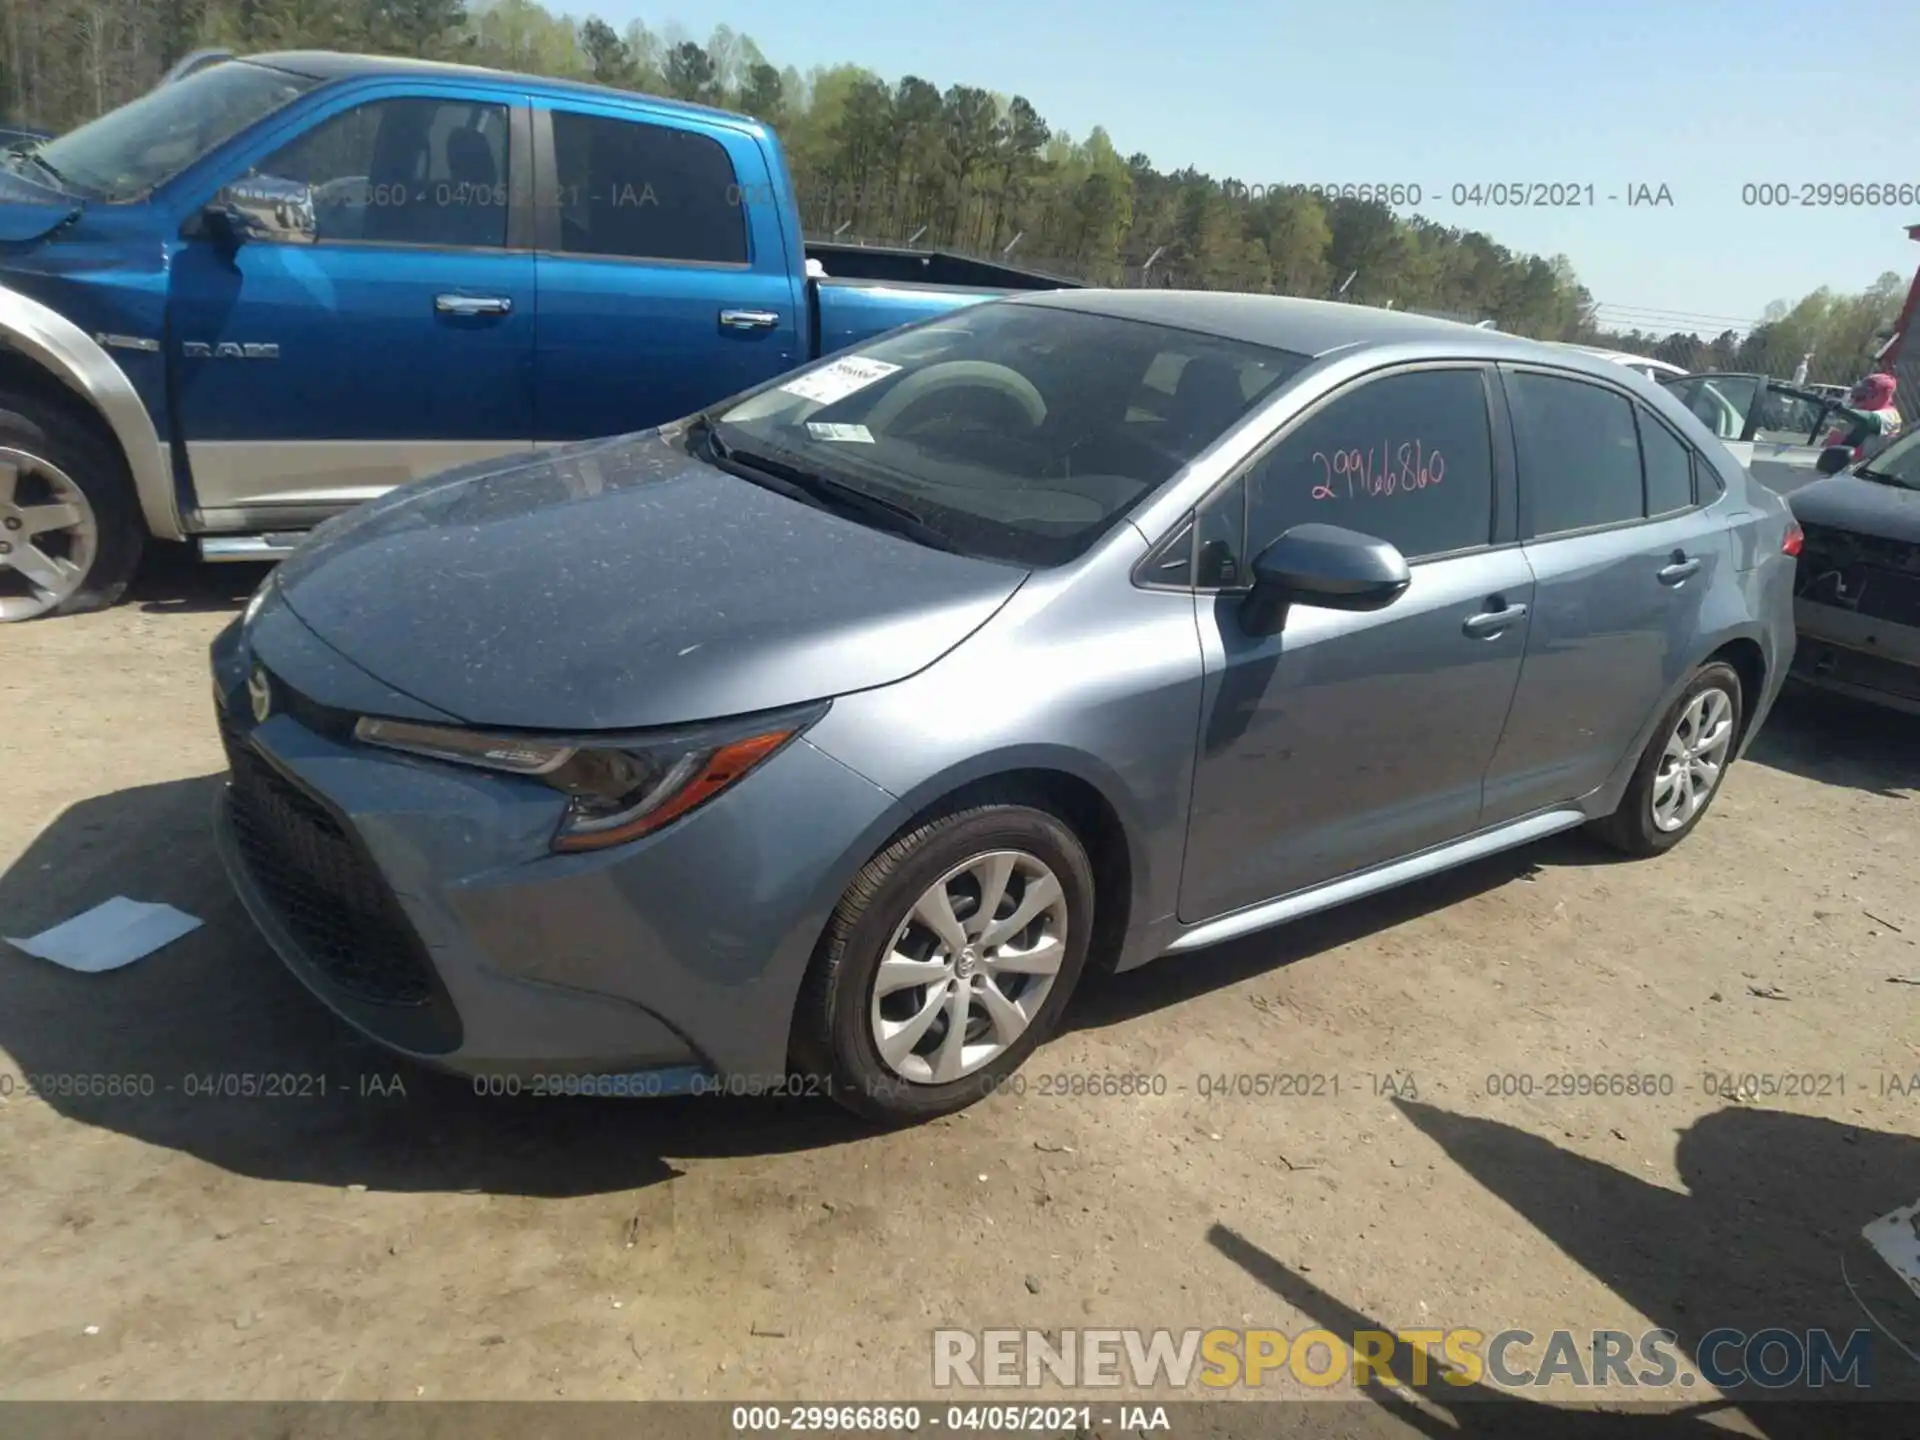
(1833,460)
(261,207)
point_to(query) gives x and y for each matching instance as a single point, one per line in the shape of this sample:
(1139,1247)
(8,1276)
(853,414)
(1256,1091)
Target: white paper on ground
(1897,1237)
(115,932)
(839,379)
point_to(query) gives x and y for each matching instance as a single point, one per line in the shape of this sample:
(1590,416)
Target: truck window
(405,172)
(645,192)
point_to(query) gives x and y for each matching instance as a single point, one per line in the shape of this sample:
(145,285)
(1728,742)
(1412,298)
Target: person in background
(1871,413)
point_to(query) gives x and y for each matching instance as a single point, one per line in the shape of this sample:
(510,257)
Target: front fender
(1143,818)
(80,363)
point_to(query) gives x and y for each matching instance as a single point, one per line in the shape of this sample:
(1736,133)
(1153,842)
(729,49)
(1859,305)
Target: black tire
(1631,828)
(51,432)
(833,1037)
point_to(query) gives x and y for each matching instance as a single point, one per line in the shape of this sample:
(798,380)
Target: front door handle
(1679,571)
(1489,623)
(473,304)
(749,319)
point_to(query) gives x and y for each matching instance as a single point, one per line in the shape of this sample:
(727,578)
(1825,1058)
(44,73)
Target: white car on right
(1652,369)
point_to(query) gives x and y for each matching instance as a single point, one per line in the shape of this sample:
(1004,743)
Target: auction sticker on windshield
(856,434)
(839,380)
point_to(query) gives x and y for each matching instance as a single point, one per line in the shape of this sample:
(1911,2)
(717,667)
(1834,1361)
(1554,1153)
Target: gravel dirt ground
(402,1237)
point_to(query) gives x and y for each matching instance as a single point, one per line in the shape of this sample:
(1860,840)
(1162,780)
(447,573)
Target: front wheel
(1681,769)
(70,531)
(948,960)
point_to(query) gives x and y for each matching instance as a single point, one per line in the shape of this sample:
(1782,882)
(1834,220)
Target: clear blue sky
(1703,96)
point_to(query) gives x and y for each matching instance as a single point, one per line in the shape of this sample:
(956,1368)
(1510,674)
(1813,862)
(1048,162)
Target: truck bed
(929,267)
(869,289)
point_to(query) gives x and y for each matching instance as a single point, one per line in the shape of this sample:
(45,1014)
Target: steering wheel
(959,374)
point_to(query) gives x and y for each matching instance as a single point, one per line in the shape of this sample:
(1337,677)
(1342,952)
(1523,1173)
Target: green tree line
(958,168)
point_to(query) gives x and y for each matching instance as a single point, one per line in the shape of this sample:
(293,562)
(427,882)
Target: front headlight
(617,790)
(256,600)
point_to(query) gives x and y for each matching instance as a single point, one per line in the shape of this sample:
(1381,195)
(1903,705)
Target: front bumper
(422,903)
(1862,656)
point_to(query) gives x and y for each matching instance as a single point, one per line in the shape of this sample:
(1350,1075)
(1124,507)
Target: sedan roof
(1304,327)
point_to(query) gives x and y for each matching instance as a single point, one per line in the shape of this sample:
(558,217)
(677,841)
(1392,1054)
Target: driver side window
(1789,418)
(404,172)
(1407,459)
(1720,402)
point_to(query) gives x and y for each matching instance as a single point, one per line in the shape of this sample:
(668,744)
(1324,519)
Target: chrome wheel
(1694,759)
(969,967)
(48,536)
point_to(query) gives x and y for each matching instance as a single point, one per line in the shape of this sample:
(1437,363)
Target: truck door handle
(749,319)
(473,304)
(1492,622)
(1679,570)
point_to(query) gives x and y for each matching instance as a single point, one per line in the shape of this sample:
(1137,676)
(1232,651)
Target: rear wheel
(1681,769)
(70,533)
(947,962)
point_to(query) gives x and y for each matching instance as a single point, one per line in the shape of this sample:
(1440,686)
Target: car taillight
(1795,537)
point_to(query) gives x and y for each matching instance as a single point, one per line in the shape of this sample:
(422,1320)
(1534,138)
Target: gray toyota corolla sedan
(823,740)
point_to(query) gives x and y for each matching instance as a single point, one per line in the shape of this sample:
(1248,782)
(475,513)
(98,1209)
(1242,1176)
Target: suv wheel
(1682,767)
(70,532)
(947,962)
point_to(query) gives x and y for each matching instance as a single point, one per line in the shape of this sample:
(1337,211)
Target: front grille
(324,888)
(1867,574)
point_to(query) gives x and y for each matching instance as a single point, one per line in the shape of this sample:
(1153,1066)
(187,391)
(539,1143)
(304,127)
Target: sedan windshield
(146,142)
(1898,464)
(1013,431)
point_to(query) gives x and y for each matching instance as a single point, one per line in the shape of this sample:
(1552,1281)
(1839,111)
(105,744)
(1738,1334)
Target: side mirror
(1323,565)
(1833,460)
(261,207)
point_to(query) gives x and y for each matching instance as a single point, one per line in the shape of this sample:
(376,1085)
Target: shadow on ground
(219,1002)
(1114,1000)
(1838,741)
(174,580)
(1765,1237)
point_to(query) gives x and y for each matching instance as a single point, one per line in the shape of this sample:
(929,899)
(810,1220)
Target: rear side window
(1578,453)
(1407,458)
(645,192)
(1669,467)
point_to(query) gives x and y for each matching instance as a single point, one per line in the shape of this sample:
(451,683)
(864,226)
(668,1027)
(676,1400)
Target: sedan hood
(622,584)
(1866,507)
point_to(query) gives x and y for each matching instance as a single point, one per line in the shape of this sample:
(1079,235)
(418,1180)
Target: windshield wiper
(30,151)
(822,489)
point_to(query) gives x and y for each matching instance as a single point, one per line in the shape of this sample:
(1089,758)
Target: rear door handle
(749,319)
(473,304)
(1678,571)
(1491,622)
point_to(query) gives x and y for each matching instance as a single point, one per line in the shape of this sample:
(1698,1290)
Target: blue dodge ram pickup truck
(281,285)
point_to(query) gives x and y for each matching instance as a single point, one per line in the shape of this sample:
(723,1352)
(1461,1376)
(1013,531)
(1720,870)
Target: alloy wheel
(48,535)
(1694,759)
(969,967)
